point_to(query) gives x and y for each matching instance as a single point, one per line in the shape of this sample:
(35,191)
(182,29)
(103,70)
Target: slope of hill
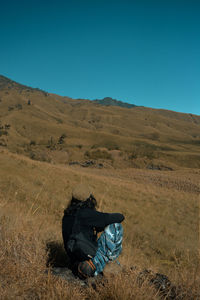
(59,129)
(6,83)
(160,227)
(45,140)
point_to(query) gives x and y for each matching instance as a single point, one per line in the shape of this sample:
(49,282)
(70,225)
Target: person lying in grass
(80,224)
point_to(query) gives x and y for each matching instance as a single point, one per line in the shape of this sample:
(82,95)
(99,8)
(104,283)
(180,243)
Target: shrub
(32,155)
(143,152)
(94,146)
(143,149)
(61,139)
(10,108)
(32,143)
(18,106)
(80,146)
(40,156)
(3,132)
(7,126)
(3,143)
(51,144)
(59,121)
(98,154)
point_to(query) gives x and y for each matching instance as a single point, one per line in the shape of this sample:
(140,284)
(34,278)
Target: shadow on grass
(56,255)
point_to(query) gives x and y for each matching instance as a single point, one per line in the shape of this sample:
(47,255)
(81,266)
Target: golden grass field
(161,207)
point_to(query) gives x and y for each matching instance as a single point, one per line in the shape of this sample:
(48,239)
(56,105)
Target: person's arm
(99,229)
(100,220)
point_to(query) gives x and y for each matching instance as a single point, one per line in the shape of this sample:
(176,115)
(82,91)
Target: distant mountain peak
(108,101)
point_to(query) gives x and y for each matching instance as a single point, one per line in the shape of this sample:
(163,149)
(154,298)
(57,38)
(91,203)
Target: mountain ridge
(53,128)
(7,83)
(108,101)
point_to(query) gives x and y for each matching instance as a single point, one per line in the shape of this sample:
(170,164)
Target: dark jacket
(88,220)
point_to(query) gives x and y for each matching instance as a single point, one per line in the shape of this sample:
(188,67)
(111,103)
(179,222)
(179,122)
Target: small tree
(61,139)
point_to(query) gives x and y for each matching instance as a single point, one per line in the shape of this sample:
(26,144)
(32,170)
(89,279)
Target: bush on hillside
(109,145)
(18,106)
(59,121)
(61,139)
(3,143)
(142,149)
(32,143)
(39,155)
(7,126)
(98,154)
(139,152)
(3,132)
(79,146)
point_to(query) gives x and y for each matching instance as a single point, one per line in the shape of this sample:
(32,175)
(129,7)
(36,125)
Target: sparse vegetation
(18,106)
(3,132)
(32,143)
(79,146)
(98,154)
(39,155)
(59,121)
(3,143)
(118,129)
(7,126)
(161,212)
(10,108)
(149,172)
(143,152)
(61,139)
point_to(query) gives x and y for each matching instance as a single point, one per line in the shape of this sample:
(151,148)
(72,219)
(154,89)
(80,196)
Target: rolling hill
(139,161)
(49,127)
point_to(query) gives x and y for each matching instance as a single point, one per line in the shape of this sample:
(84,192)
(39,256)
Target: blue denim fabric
(109,246)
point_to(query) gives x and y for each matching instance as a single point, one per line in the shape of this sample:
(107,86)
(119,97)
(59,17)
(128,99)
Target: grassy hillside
(145,165)
(161,225)
(130,137)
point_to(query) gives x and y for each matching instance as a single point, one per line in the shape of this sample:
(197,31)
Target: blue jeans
(109,246)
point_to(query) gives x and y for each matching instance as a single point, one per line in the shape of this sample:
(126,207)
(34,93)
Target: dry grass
(23,265)
(161,208)
(161,227)
(142,135)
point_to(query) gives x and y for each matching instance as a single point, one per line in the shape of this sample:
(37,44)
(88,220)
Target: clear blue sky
(141,52)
